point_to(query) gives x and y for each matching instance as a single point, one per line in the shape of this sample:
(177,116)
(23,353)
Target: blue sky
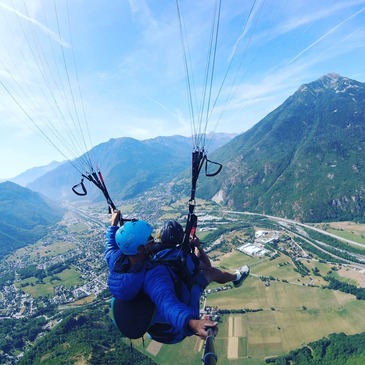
(88,71)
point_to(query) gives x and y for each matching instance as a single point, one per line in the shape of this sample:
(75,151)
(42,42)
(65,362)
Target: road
(278,219)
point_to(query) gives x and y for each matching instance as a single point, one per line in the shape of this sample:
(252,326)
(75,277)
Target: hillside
(34,173)
(337,349)
(87,338)
(25,216)
(130,167)
(304,160)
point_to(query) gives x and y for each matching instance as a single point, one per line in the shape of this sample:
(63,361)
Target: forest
(336,349)
(81,334)
(345,288)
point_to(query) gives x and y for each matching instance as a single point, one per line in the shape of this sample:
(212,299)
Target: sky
(76,73)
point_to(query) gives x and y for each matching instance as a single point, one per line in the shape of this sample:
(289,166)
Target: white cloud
(56,37)
(140,9)
(326,35)
(327,10)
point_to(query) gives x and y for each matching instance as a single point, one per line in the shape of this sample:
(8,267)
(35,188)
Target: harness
(125,313)
(133,318)
(184,265)
(98,180)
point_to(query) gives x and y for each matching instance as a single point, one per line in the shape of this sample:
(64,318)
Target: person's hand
(201,326)
(115,217)
(195,241)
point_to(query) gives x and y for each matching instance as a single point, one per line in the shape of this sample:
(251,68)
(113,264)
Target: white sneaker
(242,273)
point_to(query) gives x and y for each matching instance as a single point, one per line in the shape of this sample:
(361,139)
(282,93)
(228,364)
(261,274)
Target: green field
(78,228)
(41,250)
(69,277)
(347,230)
(349,235)
(293,314)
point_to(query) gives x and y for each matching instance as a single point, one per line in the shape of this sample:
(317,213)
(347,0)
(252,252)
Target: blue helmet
(132,235)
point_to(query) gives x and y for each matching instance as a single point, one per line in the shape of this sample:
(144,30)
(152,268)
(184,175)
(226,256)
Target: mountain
(25,216)
(34,173)
(129,166)
(305,160)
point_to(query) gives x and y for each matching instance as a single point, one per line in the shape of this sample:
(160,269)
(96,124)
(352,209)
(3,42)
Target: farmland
(282,314)
(283,305)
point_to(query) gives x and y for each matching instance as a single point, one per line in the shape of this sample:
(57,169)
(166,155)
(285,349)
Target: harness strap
(199,157)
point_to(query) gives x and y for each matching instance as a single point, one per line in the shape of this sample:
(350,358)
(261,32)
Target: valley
(279,145)
(284,304)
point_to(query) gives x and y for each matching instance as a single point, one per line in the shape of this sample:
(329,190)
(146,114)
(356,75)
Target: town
(80,255)
(66,269)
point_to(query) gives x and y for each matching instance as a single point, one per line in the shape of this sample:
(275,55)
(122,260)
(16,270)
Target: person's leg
(218,276)
(212,274)
(203,257)
(223,277)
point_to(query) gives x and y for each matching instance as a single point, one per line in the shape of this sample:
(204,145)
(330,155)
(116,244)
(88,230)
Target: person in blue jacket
(141,287)
(171,236)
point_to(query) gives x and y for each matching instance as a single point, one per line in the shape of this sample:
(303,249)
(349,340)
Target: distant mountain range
(305,160)
(34,173)
(25,216)
(130,167)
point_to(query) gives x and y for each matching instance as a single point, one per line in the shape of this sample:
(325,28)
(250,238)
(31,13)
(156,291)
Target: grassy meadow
(349,230)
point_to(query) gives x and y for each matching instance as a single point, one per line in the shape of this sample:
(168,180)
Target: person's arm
(110,244)
(115,217)
(159,286)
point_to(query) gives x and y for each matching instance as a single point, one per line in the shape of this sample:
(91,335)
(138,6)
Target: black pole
(210,357)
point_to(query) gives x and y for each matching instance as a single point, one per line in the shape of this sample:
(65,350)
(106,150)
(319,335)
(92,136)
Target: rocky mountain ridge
(304,160)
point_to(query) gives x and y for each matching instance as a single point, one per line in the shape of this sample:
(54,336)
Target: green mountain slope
(129,166)
(305,160)
(337,349)
(85,336)
(25,216)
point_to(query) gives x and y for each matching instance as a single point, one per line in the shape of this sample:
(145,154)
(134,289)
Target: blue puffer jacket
(122,282)
(159,283)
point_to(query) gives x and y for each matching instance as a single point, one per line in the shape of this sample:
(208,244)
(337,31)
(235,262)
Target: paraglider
(172,277)
(63,123)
